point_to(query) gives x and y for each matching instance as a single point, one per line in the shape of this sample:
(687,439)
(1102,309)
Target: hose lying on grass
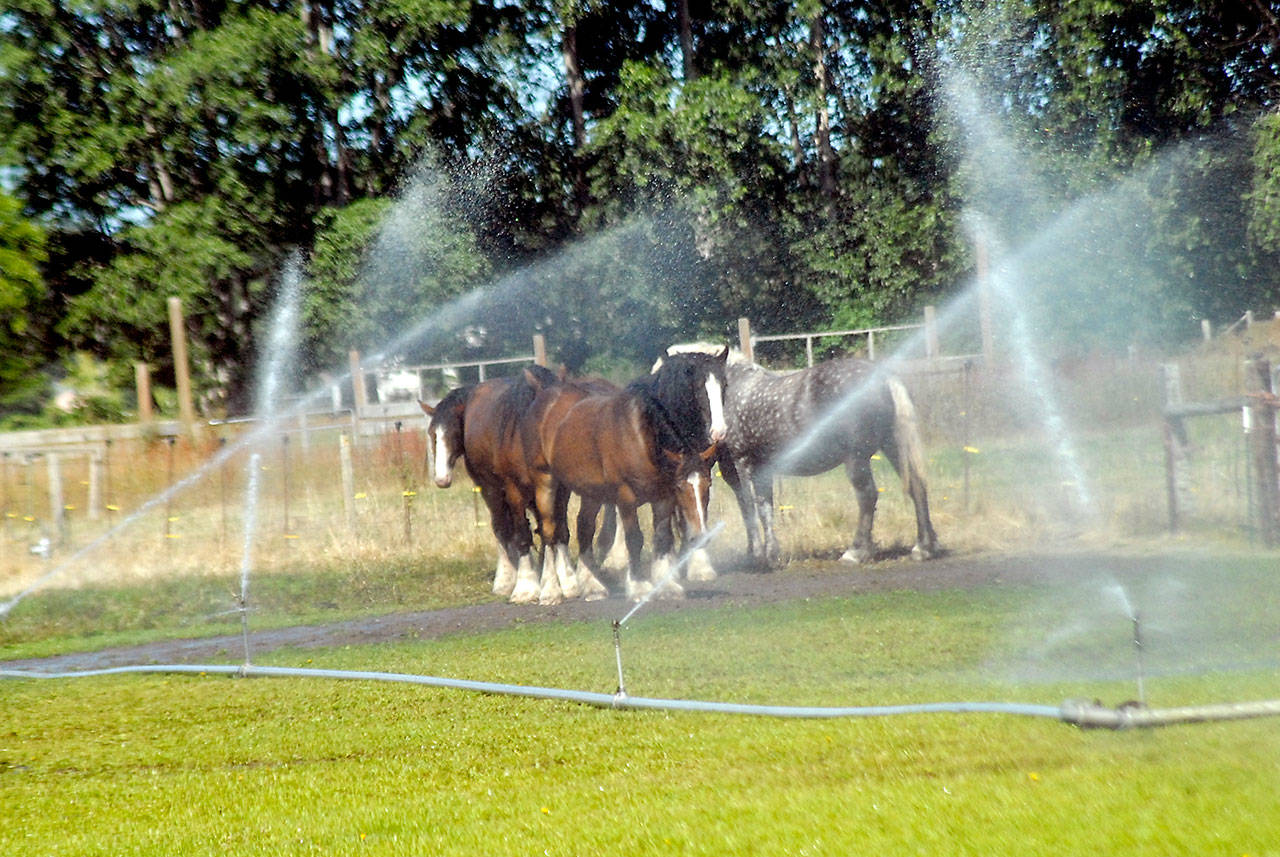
(1074,712)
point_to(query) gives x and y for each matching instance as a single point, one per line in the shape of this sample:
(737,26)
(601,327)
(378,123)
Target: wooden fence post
(358,391)
(1260,402)
(96,468)
(1177,448)
(540,349)
(57,507)
(142,383)
(348,481)
(744,339)
(181,365)
(931,348)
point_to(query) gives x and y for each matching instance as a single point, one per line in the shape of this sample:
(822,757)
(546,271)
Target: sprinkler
(1140,655)
(621,693)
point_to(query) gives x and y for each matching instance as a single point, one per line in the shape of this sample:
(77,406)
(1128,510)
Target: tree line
(619,174)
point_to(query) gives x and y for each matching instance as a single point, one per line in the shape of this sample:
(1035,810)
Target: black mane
(670,401)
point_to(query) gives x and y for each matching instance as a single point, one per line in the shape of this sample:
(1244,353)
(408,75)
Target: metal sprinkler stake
(1139,649)
(621,692)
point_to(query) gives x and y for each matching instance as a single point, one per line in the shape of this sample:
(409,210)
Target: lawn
(211,765)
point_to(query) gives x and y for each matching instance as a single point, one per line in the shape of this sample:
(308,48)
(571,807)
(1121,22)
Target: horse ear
(427,409)
(723,356)
(531,379)
(710,452)
(674,457)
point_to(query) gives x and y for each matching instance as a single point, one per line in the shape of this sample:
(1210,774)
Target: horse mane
(736,357)
(670,405)
(520,393)
(458,398)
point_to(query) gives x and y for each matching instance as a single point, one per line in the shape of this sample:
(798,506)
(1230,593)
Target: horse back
(602,447)
(492,434)
(836,408)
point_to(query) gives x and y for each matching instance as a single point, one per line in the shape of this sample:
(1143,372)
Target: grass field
(160,765)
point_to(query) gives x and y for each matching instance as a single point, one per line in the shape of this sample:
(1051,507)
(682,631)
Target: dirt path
(798,580)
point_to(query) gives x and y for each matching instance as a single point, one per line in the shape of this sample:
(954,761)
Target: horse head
(693,484)
(691,387)
(444,433)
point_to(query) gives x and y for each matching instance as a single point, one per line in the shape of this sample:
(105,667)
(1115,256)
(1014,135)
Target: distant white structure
(398,385)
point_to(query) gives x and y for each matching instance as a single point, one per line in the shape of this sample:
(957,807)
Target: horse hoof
(856,556)
(920,554)
(638,589)
(550,599)
(700,568)
(671,592)
(523,596)
(504,587)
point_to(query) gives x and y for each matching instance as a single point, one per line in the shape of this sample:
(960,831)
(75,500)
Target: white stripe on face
(443,473)
(695,479)
(715,396)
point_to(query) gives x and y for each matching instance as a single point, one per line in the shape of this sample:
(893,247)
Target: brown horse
(481,423)
(651,443)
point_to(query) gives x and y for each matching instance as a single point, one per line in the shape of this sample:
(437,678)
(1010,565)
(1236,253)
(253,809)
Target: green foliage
(792,160)
(22,293)
(380,268)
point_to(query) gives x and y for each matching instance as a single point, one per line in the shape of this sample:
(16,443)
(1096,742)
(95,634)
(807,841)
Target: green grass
(95,617)
(173,765)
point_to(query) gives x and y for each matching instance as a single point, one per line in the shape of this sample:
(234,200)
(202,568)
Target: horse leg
(745,495)
(519,547)
(663,574)
(536,588)
(926,546)
(858,469)
(614,540)
(697,565)
(502,524)
(567,577)
(635,587)
(762,491)
(592,588)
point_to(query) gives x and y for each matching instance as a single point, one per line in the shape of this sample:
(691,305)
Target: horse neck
(668,433)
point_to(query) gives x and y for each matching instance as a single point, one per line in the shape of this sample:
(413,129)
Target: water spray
(697,544)
(246,557)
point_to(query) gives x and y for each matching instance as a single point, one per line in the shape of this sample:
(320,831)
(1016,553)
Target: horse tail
(906,432)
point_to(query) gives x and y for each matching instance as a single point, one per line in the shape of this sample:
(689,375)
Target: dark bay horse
(481,423)
(651,443)
(809,421)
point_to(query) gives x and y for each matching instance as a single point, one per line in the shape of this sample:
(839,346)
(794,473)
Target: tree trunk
(577,110)
(577,86)
(684,22)
(822,134)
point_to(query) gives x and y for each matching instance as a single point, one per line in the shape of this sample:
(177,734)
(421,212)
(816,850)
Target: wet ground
(807,579)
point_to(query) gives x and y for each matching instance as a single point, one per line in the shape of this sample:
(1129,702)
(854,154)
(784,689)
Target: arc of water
(447,317)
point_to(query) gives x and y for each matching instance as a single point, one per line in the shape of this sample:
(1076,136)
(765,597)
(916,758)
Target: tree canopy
(612,174)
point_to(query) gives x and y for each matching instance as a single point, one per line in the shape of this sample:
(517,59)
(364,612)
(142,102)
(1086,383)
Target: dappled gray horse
(807,422)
